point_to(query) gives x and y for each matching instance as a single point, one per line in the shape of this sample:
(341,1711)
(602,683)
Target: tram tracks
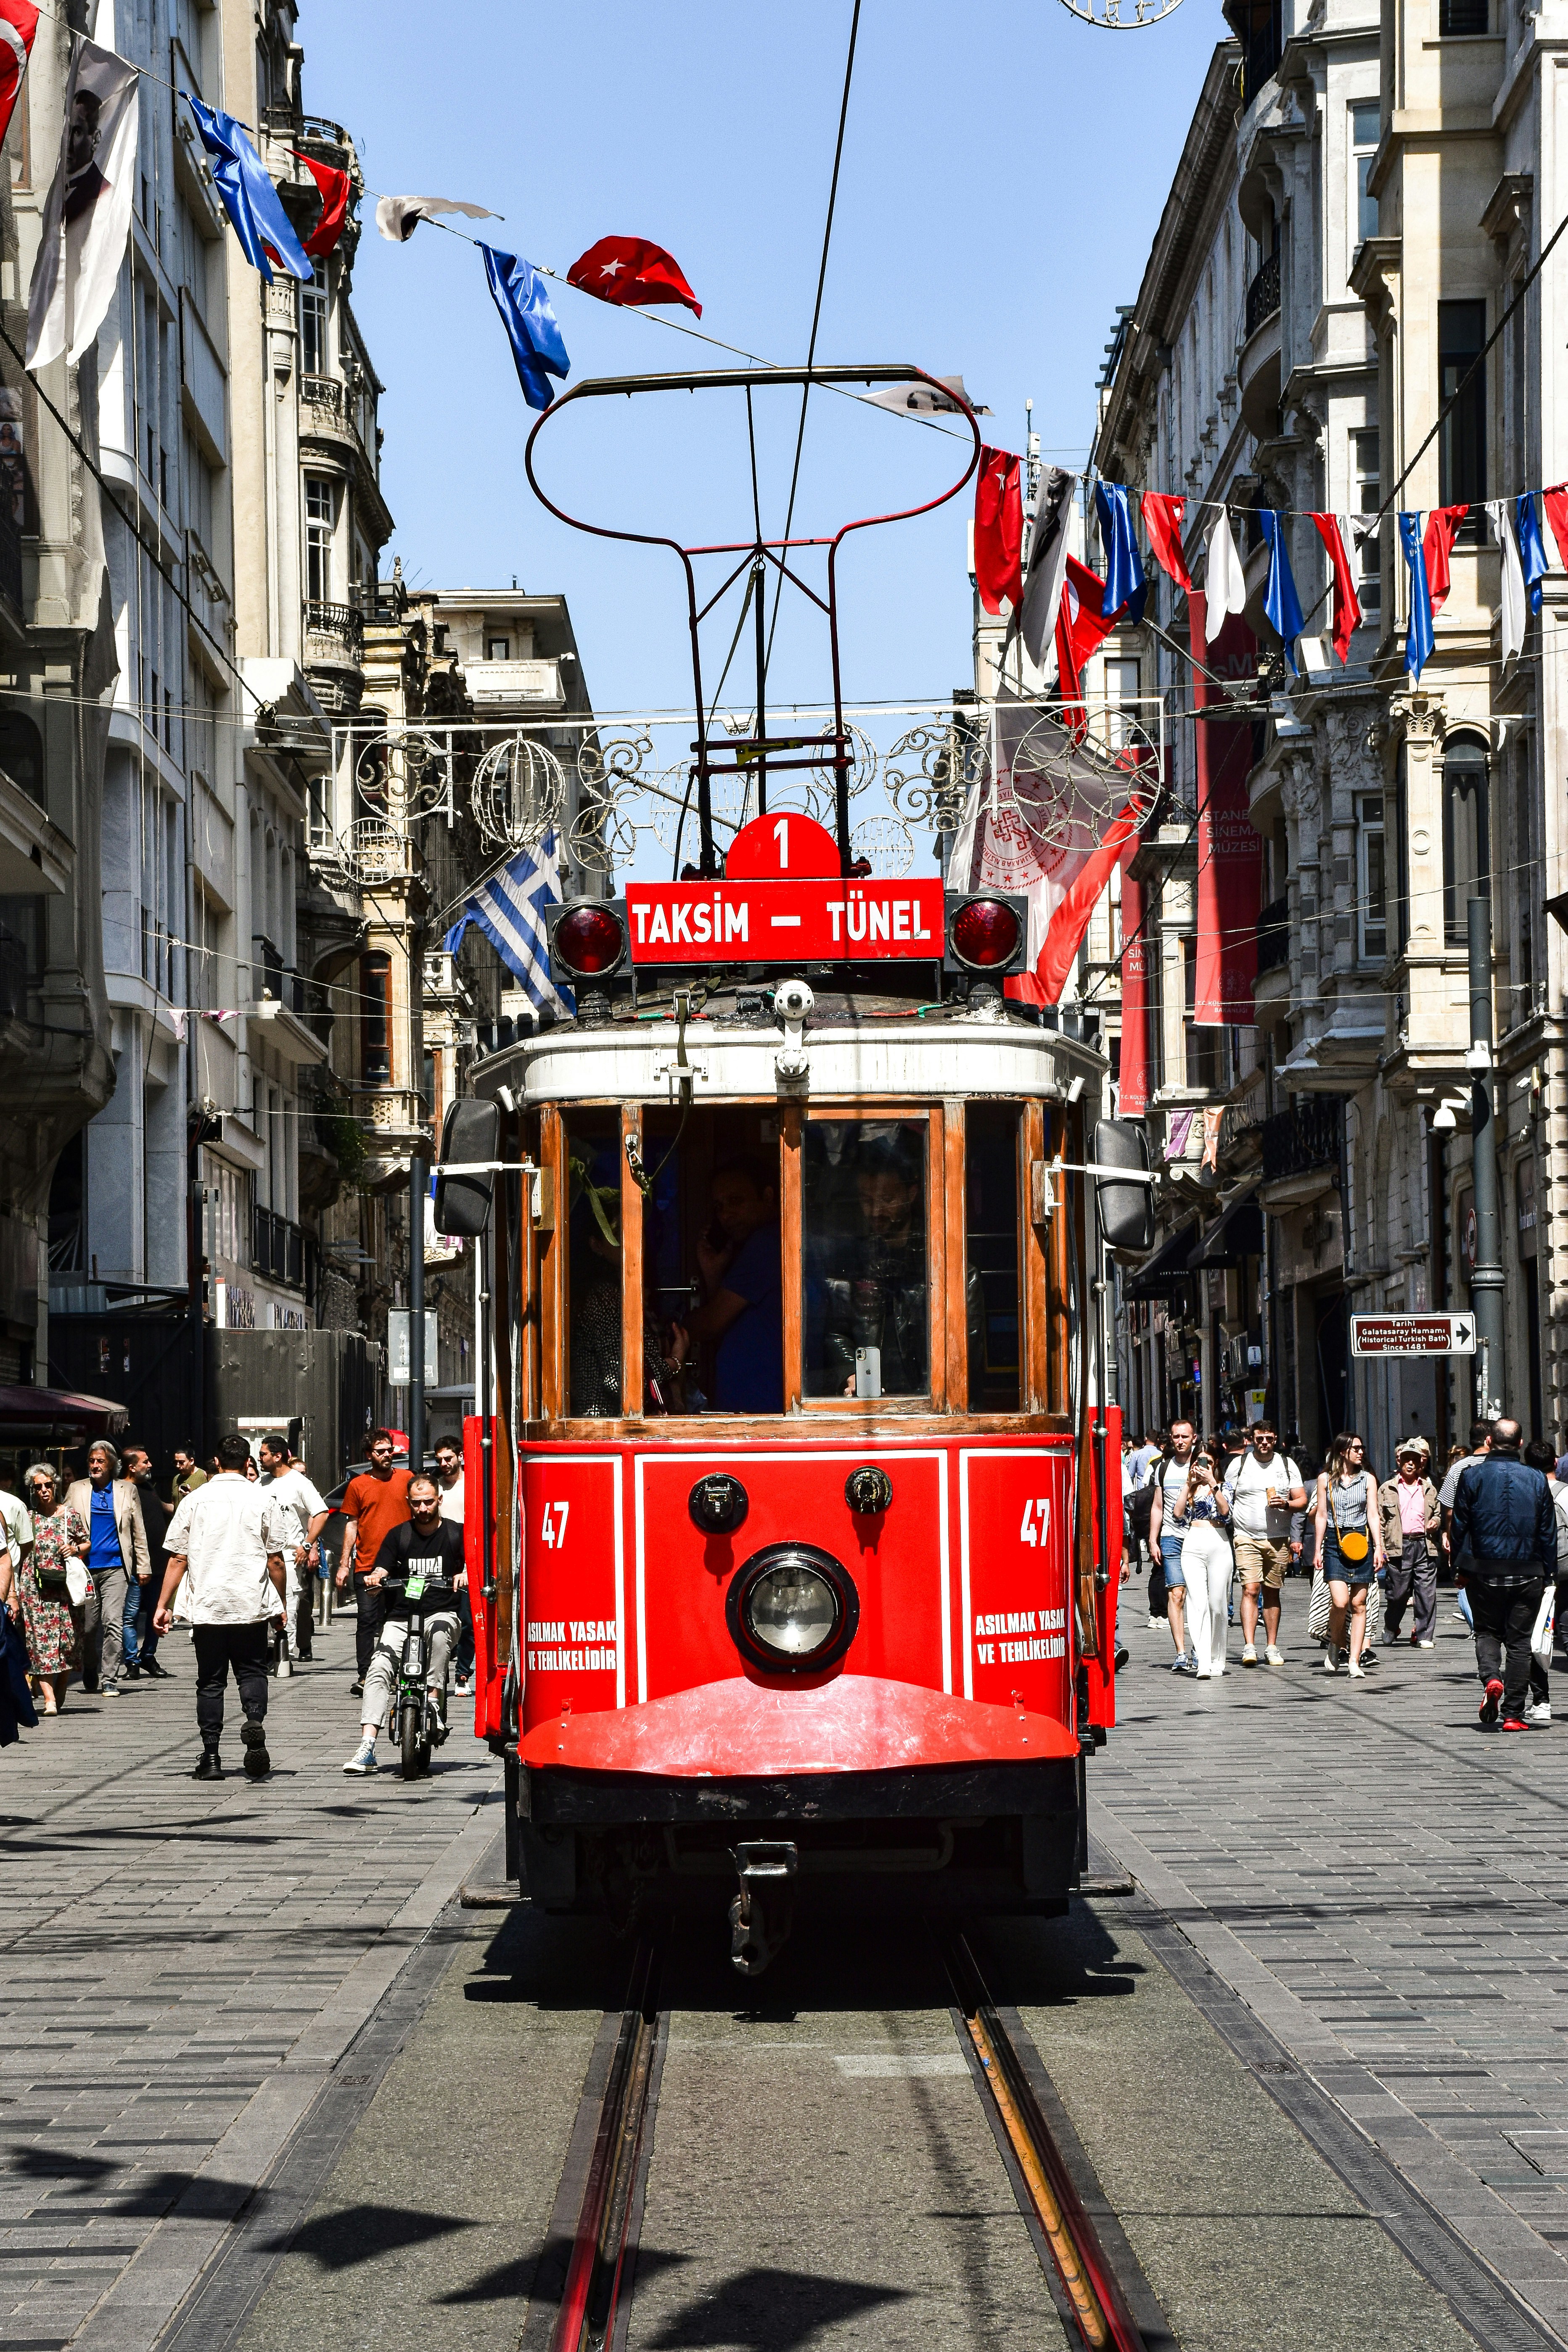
(594,2310)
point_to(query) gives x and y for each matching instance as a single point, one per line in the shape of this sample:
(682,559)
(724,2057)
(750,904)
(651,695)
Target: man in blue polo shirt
(738,1258)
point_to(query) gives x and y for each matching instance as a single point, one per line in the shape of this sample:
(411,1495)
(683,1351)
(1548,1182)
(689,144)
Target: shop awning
(1237,1234)
(62,1409)
(1161,1273)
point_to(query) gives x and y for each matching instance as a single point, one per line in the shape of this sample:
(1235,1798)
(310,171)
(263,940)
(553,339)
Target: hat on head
(1412,1445)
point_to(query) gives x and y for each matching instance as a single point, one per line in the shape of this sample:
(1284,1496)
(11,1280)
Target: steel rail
(590,2297)
(1097,2305)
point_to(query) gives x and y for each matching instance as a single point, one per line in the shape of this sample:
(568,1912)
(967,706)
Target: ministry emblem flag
(87,214)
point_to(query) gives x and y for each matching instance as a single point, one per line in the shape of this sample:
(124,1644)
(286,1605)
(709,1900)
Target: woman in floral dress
(53,1626)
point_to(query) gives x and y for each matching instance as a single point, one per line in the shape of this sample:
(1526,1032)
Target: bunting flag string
(1335,533)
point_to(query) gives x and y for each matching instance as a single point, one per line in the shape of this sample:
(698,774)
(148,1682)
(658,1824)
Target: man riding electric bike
(419,1567)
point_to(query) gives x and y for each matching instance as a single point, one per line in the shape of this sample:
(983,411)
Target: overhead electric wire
(816,321)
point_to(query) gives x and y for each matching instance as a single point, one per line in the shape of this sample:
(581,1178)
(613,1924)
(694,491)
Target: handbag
(1541,1638)
(79,1584)
(1319,1607)
(1354,1545)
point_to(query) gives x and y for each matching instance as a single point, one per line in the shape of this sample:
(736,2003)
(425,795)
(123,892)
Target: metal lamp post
(1486,1277)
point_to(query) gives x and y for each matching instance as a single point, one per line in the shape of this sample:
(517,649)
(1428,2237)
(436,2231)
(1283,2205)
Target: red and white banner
(1137,964)
(1230,855)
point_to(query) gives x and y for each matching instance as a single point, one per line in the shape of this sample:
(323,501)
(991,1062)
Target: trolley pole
(1486,1280)
(416,1313)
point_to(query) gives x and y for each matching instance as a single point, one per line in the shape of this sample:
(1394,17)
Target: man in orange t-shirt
(375,1503)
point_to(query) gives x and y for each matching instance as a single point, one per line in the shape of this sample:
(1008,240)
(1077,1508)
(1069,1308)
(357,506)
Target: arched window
(1466,837)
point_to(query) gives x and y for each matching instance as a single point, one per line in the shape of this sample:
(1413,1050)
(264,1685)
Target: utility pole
(1486,1278)
(416,1184)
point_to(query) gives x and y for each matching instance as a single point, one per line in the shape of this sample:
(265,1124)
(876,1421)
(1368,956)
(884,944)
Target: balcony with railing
(1274,936)
(1304,1140)
(277,1249)
(1257,362)
(1263,294)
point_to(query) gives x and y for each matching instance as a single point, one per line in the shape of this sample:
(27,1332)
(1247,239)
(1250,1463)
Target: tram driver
(743,1305)
(872,1305)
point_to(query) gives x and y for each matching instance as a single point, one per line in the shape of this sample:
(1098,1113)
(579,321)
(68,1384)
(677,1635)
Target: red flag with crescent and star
(18,23)
(632,272)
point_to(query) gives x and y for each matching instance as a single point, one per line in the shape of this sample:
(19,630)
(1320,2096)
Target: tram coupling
(763,1913)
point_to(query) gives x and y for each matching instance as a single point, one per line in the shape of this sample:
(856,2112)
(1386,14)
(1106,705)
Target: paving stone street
(180,1967)
(1380,1881)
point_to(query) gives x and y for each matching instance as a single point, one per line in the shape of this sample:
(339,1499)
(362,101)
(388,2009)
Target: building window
(1462,443)
(1369,498)
(375,1020)
(498,649)
(1463,15)
(1365,130)
(1467,853)
(318,540)
(1372,895)
(313,324)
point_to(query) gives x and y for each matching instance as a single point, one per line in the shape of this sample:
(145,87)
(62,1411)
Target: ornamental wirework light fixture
(1119,15)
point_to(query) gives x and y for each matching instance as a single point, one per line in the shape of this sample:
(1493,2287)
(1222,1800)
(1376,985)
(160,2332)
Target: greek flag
(510,910)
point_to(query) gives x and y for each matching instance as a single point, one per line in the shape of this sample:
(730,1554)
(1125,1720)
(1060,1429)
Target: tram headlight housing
(587,938)
(987,932)
(792,1609)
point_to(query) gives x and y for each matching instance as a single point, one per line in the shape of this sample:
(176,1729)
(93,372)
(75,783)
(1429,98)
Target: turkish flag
(18,23)
(1162,521)
(999,529)
(1081,626)
(1555,501)
(337,194)
(1333,530)
(632,272)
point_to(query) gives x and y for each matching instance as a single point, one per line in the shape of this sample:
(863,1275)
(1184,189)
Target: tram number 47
(552,1525)
(1036,1524)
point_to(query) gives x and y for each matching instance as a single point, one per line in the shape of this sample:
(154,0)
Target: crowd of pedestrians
(1226,1520)
(96,1571)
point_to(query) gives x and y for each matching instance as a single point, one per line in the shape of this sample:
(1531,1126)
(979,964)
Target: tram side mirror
(469,1132)
(1126,1211)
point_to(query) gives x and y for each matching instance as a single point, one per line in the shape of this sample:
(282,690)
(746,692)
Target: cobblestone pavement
(1382,1883)
(181,1966)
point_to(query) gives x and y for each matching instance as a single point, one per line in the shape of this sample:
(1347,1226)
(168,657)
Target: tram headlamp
(985,934)
(792,1608)
(587,938)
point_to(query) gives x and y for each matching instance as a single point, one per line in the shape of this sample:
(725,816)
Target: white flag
(86,216)
(1515,609)
(1225,581)
(397,217)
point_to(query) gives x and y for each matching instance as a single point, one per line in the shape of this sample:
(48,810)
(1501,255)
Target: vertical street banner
(1132,1078)
(1230,855)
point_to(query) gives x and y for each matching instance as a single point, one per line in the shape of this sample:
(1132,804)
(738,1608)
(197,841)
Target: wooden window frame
(791,1237)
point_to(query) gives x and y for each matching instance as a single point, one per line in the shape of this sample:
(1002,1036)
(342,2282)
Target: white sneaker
(1358,1671)
(1201,1674)
(1274,1656)
(1540,1714)
(1249,1654)
(1426,1645)
(1331,1663)
(363,1758)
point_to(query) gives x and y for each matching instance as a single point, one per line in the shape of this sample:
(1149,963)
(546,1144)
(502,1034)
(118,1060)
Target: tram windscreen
(713,1288)
(594,1265)
(864,1260)
(991,1162)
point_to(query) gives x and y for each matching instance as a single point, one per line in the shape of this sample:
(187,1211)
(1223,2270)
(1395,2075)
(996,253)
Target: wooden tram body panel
(963,1695)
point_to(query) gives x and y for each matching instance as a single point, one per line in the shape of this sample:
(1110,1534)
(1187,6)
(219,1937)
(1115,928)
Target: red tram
(795,1528)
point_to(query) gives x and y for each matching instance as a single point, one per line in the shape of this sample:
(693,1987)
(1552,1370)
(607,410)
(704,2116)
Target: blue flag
(530,322)
(1531,547)
(510,910)
(1419,637)
(249,198)
(1125,586)
(1281,605)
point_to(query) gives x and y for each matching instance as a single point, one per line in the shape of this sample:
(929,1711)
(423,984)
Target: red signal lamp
(589,939)
(985,934)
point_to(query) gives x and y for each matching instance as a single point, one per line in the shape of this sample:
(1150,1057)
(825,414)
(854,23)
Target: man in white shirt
(284,1479)
(1264,1486)
(230,1536)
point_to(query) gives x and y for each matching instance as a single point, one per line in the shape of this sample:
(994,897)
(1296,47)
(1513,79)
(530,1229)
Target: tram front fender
(850,1722)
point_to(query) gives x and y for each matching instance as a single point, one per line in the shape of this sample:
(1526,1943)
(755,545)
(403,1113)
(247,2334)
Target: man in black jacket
(1505,1529)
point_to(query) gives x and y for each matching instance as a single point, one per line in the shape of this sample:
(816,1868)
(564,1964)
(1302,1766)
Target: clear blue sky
(1005,168)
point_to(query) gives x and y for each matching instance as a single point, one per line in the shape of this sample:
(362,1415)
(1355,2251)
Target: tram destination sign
(1412,1334)
(818,919)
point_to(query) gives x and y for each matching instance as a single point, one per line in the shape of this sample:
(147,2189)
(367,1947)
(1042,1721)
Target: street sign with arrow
(1412,1334)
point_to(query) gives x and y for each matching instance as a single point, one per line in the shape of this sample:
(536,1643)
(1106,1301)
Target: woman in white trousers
(1205,1565)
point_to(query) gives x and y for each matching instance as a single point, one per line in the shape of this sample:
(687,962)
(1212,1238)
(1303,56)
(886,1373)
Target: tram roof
(855,1046)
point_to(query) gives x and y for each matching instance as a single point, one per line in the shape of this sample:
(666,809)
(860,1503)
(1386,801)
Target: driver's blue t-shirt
(749,1369)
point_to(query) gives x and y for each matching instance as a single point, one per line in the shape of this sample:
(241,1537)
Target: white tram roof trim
(896,1058)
